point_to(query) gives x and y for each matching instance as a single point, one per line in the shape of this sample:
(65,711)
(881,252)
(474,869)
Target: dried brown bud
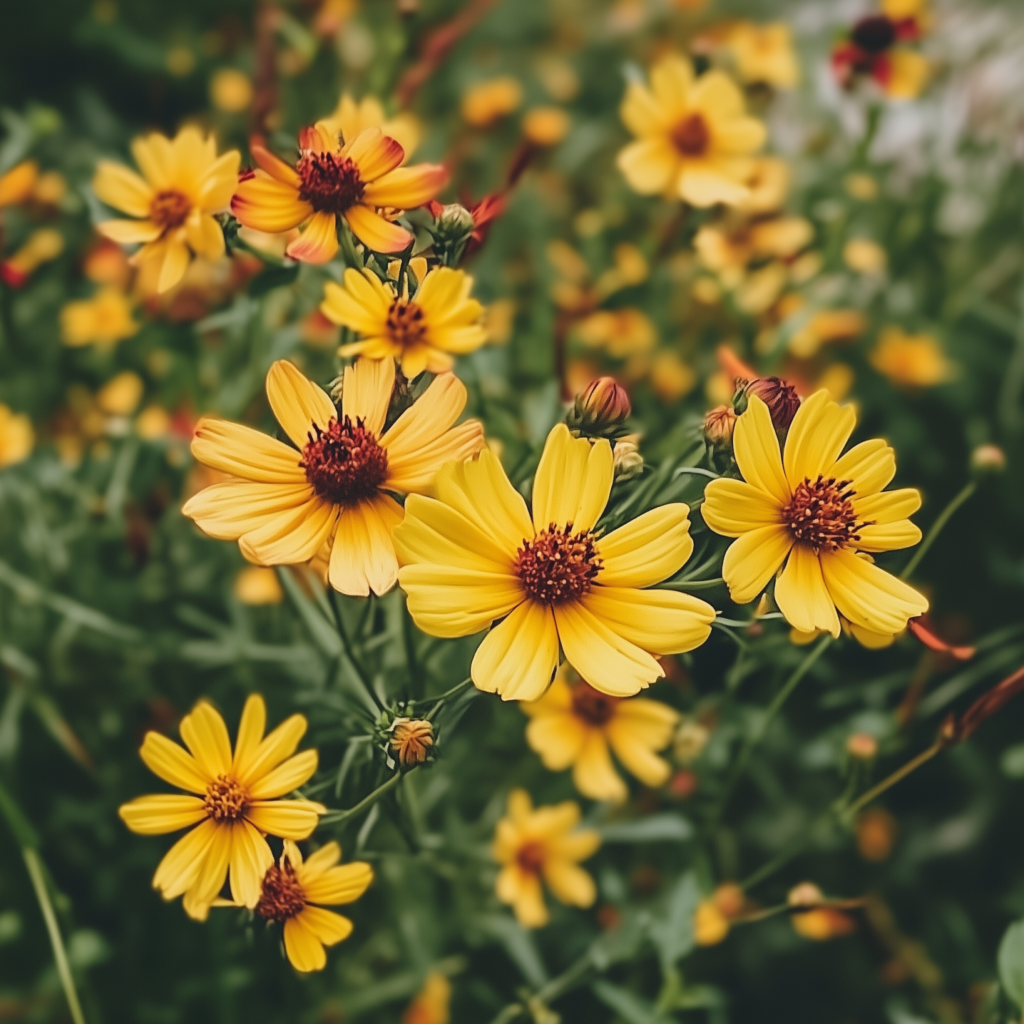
(412,740)
(780,397)
(719,425)
(601,409)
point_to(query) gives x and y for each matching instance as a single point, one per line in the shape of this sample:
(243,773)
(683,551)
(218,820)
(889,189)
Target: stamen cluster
(591,705)
(558,565)
(821,514)
(530,856)
(691,135)
(282,895)
(875,34)
(225,799)
(344,463)
(405,323)
(330,183)
(169,208)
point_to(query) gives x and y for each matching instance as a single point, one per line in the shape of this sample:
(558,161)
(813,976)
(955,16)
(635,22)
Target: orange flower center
(344,463)
(169,208)
(821,514)
(225,799)
(405,323)
(591,705)
(530,856)
(330,183)
(557,565)
(282,896)
(691,135)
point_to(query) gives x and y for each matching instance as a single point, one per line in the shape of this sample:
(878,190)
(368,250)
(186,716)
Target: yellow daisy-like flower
(353,180)
(422,333)
(352,116)
(105,319)
(694,140)
(543,843)
(183,183)
(816,514)
(473,555)
(235,803)
(574,725)
(16,436)
(294,893)
(764,53)
(285,505)
(910,360)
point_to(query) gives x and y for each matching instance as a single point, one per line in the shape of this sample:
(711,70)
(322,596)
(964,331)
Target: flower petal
(292,537)
(641,112)
(204,235)
(637,755)
(867,595)
(210,879)
(329,928)
(573,481)
(128,232)
(715,94)
(650,165)
(435,533)
(802,596)
(888,536)
(427,419)
(361,305)
(557,739)
(305,951)
(206,735)
(288,819)
(274,165)
(416,472)
(175,262)
(518,658)
(450,602)
(593,774)
(230,509)
(165,758)
(818,434)
(374,154)
(366,392)
(647,550)
(569,883)
(244,452)
(286,777)
(738,136)
(250,858)
(297,402)
(363,558)
(251,727)
(376,233)
(263,204)
(184,861)
(756,448)
(887,507)
(753,559)
(161,813)
(871,465)
(732,507)
(709,182)
(272,750)
(341,884)
(121,188)
(407,187)
(155,159)
(658,621)
(318,242)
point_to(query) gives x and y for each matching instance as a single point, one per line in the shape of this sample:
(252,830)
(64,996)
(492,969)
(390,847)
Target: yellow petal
(376,233)
(175,262)
(650,165)
(407,187)
(170,762)
(374,154)
(263,204)
(659,621)
(341,884)
(154,157)
(889,507)
(205,236)
(361,305)
(435,533)
(293,536)
(640,111)
(867,595)
(250,734)
(576,845)
(219,182)
(709,182)
(573,481)
(871,465)
(249,860)
(426,420)
(328,927)
(286,777)
(756,448)
(128,232)
(366,392)
(818,434)
(802,596)
(636,754)
(450,602)
(162,813)
(318,242)
(604,659)
(557,739)
(753,560)
(888,536)
(305,951)
(569,883)
(672,84)
(649,721)
(593,773)
(738,136)
(297,402)
(121,188)
(732,507)
(363,558)
(528,904)
(272,750)
(230,509)
(244,452)
(716,95)
(288,819)
(184,861)
(518,657)
(206,735)
(647,550)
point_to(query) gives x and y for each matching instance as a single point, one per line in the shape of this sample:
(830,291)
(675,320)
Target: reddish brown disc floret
(821,514)
(558,565)
(344,463)
(282,895)
(530,857)
(691,135)
(169,208)
(405,323)
(225,799)
(591,705)
(330,183)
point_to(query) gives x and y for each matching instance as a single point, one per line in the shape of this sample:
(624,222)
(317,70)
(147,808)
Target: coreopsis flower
(484,103)
(543,843)
(104,320)
(294,893)
(600,409)
(16,436)
(331,490)
(233,801)
(18,184)
(694,136)
(910,360)
(354,180)
(763,54)
(815,514)
(183,183)
(431,1004)
(574,726)
(423,332)
(472,555)
(872,50)
(352,116)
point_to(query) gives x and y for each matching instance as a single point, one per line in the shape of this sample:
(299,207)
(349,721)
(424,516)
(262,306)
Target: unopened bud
(780,397)
(690,740)
(806,894)
(710,925)
(988,458)
(600,410)
(729,899)
(627,461)
(719,425)
(862,746)
(412,740)
(453,224)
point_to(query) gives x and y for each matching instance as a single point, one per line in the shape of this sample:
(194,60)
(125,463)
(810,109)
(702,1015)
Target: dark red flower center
(330,182)
(169,208)
(282,896)
(558,565)
(225,799)
(344,463)
(530,856)
(591,705)
(821,514)
(405,323)
(874,34)
(691,135)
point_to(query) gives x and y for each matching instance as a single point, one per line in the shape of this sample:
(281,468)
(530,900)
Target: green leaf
(668,827)
(1011,963)
(672,933)
(627,1004)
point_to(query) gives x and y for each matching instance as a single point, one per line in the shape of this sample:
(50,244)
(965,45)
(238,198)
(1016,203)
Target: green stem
(936,529)
(336,817)
(350,653)
(439,701)
(912,765)
(509,1014)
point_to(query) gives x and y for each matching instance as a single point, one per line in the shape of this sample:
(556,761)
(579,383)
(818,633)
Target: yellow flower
(432,1002)
(710,925)
(283,505)
(533,844)
(230,90)
(256,585)
(767,184)
(235,803)
(183,184)
(472,555)
(105,319)
(18,184)
(121,395)
(573,726)
(486,102)
(42,246)
(16,436)
(294,891)
(546,126)
(764,53)
(815,515)
(621,332)
(827,325)
(911,360)
(694,137)
(353,116)
(332,179)
(422,332)
(865,256)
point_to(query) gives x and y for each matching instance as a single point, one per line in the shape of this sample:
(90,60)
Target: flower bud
(453,224)
(729,899)
(710,925)
(689,741)
(861,746)
(412,740)
(780,397)
(806,894)
(988,458)
(875,830)
(627,462)
(718,427)
(600,410)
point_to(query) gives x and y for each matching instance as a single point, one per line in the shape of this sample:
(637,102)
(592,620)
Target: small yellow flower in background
(17,184)
(620,332)
(284,505)
(257,584)
(824,327)
(231,90)
(695,139)
(353,116)
(332,180)
(422,332)
(764,54)
(875,830)
(432,1003)
(864,256)
(294,893)
(546,126)
(815,514)
(909,72)
(235,803)
(16,436)
(861,186)
(671,377)
(183,184)
(472,555)
(910,360)
(487,102)
(105,319)
(818,924)
(500,321)
(42,246)
(121,395)
(710,925)
(573,726)
(767,186)
(531,845)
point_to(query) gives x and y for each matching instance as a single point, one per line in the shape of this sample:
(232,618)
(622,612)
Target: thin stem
(346,642)
(937,527)
(509,1014)
(336,817)
(439,701)
(912,765)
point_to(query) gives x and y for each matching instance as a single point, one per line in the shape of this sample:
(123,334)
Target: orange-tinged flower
(352,116)
(816,515)
(431,1004)
(353,180)
(483,103)
(18,184)
(574,726)
(910,360)
(543,843)
(183,184)
(104,320)
(694,140)
(234,803)
(331,490)
(294,893)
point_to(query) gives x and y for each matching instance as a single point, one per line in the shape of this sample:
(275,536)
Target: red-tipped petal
(318,243)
